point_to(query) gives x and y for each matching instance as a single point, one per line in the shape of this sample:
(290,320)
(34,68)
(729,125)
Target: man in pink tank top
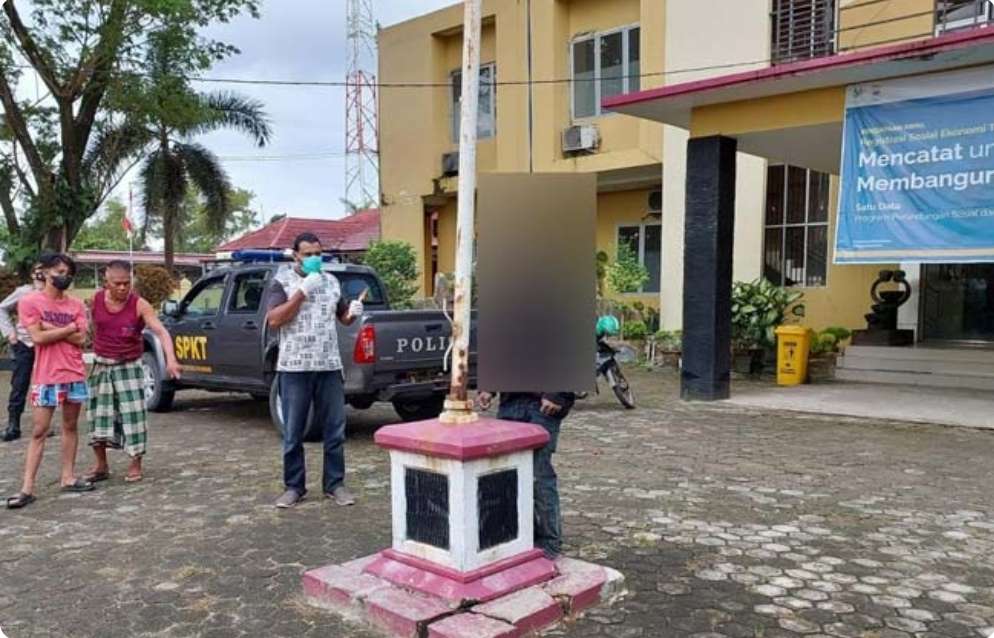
(117,414)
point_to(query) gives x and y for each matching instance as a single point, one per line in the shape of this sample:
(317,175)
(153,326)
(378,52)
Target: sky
(299,40)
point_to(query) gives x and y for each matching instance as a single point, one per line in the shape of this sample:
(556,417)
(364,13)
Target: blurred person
(547,410)
(304,303)
(19,340)
(57,324)
(117,415)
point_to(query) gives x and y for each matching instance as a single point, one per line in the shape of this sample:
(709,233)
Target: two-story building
(547,66)
(562,78)
(827,57)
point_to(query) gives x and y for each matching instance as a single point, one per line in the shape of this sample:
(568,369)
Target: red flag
(126,224)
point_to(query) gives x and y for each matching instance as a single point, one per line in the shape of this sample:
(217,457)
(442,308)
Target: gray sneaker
(288,499)
(342,496)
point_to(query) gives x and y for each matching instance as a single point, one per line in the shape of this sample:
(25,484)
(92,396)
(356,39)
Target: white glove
(311,283)
(355,308)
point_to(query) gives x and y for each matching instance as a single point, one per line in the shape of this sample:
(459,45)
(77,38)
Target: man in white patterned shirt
(304,302)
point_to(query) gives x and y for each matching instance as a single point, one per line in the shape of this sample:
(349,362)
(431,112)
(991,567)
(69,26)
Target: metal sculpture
(881,322)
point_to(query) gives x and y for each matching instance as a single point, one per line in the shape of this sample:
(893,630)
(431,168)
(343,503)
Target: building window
(802,29)
(795,243)
(646,241)
(487,124)
(604,65)
(953,15)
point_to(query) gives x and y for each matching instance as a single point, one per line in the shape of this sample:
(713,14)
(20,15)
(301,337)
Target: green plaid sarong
(117,414)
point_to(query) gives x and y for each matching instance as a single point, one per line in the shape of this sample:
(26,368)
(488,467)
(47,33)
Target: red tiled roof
(349,234)
(138,257)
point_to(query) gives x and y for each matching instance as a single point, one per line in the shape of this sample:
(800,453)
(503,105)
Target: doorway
(958,303)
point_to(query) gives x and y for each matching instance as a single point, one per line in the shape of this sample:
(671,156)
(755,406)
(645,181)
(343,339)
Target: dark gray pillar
(707,269)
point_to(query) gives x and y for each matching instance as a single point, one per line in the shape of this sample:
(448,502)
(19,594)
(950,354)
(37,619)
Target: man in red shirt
(57,325)
(117,414)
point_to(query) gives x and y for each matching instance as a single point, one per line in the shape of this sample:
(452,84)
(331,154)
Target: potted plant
(758,307)
(667,348)
(635,333)
(825,349)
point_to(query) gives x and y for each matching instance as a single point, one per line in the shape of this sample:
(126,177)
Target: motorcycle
(608,367)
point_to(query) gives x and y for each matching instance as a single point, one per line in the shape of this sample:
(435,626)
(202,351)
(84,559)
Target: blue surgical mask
(311,265)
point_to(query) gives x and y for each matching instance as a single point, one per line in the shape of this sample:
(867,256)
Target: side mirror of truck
(170,308)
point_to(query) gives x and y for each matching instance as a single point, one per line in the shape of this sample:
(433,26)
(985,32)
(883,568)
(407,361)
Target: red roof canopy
(349,234)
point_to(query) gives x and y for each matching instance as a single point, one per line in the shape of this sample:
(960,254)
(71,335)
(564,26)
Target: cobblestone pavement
(725,521)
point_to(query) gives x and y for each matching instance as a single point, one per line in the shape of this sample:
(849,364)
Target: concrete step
(972,355)
(963,381)
(919,366)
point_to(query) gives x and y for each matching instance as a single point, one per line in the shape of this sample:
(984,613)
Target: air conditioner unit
(655,204)
(450,164)
(577,139)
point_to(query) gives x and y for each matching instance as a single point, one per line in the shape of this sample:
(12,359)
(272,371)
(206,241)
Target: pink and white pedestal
(462,561)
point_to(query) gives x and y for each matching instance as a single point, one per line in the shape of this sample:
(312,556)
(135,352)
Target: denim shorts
(52,395)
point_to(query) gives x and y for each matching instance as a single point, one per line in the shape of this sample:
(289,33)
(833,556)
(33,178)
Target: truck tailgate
(413,340)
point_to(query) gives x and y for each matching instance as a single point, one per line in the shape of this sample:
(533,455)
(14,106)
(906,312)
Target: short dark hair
(51,260)
(118,264)
(310,238)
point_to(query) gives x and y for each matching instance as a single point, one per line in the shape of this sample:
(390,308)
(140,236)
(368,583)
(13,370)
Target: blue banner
(917,177)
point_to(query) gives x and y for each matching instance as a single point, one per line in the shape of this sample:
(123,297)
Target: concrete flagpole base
(463,562)
(362,598)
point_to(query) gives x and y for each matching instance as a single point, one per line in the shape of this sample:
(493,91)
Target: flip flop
(20,500)
(133,478)
(77,486)
(96,477)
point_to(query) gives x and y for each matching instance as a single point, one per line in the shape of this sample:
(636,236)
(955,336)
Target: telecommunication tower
(362,183)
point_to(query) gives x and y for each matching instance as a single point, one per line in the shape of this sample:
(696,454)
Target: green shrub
(626,274)
(634,330)
(829,340)
(669,340)
(758,307)
(396,264)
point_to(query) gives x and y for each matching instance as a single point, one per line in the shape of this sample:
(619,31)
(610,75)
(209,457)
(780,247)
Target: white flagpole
(458,406)
(131,231)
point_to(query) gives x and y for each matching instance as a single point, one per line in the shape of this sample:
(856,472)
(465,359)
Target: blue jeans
(325,391)
(548,521)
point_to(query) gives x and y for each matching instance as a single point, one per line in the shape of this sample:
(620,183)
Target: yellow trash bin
(793,346)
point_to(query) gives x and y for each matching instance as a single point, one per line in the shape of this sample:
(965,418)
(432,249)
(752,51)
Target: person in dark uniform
(547,410)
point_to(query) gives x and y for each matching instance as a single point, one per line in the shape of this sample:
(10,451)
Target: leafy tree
(626,274)
(58,163)
(396,264)
(196,232)
(105,231)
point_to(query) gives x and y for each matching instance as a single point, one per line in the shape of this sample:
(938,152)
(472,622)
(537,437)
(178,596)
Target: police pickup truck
(223,343)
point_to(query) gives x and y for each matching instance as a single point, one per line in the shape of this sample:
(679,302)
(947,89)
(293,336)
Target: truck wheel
(156,398)
(311,433)
(419,410)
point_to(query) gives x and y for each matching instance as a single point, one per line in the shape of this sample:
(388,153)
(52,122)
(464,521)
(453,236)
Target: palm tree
(171,161)
(177,163)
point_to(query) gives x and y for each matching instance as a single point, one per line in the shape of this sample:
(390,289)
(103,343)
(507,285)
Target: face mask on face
(62,282)
(311,265)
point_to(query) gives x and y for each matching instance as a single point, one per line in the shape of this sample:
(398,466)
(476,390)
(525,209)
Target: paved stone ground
(726,521)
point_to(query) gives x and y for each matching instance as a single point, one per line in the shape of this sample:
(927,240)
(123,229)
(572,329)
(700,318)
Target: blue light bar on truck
(262,256)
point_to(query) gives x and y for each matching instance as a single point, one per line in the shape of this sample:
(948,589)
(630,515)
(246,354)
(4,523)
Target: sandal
(96,477)
(20,500)
(133,478)
(77,486)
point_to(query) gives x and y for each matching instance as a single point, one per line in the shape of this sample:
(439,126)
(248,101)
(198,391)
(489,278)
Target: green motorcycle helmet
(608,325)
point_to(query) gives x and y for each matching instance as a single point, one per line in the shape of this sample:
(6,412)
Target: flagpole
(131,231)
